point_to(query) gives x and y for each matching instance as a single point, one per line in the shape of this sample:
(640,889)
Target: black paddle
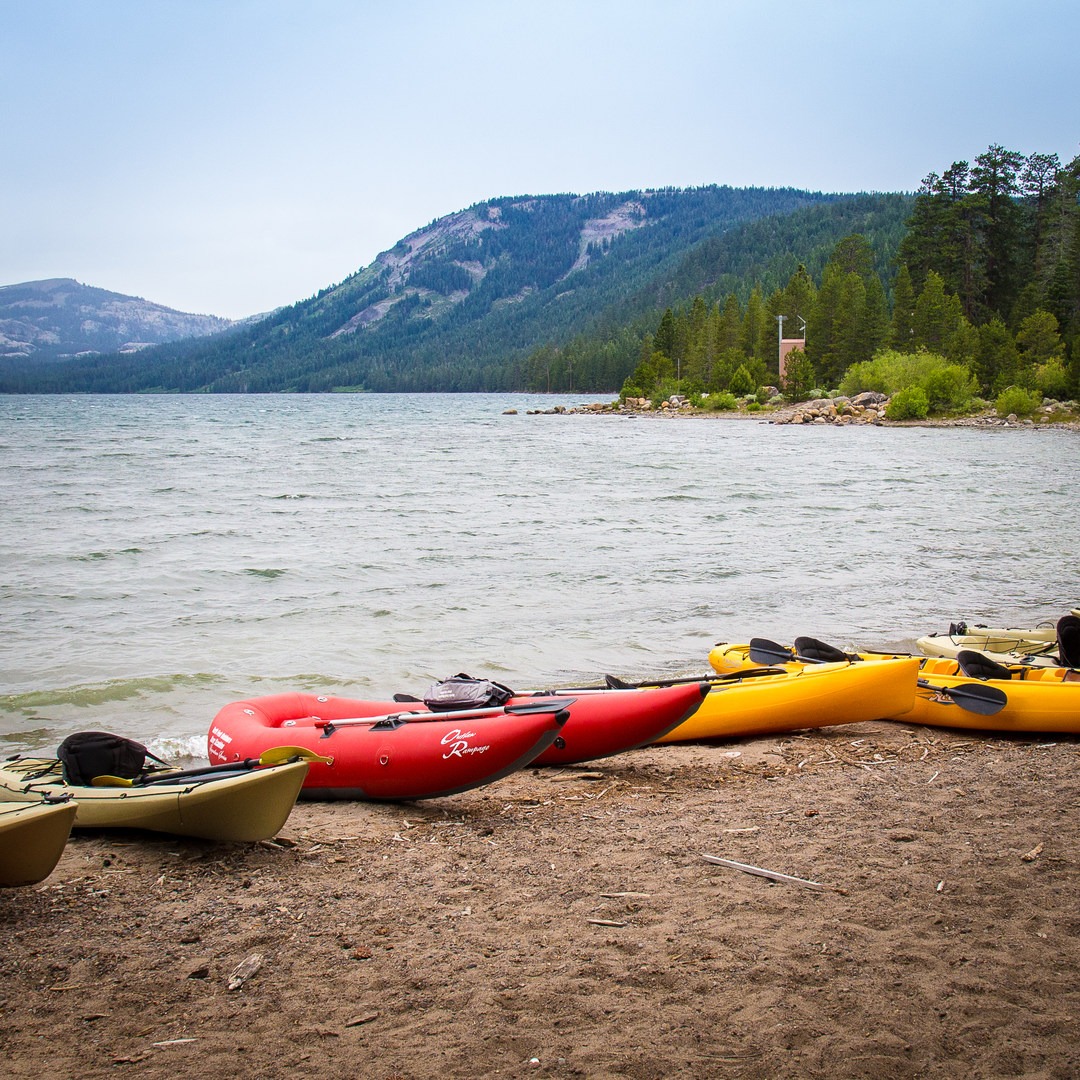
(984,700)
(276,755)
(394,720)
(615,683)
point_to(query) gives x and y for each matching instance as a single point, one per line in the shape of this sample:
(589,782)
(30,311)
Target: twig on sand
(772,875)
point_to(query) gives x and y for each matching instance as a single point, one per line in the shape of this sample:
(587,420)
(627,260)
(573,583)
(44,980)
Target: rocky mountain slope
(59,318)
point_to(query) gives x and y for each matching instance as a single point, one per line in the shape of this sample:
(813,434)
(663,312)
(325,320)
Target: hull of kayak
(242,804)
(804,697)
(1045,700)
(1038,699)
(606,722)
(32,839)
(386,750)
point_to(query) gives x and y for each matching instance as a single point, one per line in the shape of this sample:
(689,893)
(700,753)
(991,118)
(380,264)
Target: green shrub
(1052,379)
(723,402)
(1015,399)
(909,404)
(950,388)
(742,382)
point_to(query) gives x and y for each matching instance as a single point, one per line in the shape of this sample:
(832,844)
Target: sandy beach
(565,923)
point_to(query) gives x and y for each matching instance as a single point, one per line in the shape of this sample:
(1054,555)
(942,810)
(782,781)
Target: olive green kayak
(32,839)
(244,802)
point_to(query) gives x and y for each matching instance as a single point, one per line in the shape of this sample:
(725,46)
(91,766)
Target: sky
(226,157)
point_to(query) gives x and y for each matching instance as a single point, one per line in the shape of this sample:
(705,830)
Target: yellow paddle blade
(110,781)
(277,754)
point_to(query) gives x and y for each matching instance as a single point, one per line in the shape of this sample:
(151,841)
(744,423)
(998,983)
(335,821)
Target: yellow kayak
(242,803)
(32,839)
(969,692)
(1042,699)
(804,697)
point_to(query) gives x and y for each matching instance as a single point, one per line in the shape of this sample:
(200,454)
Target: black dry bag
(465,692)
(87,754)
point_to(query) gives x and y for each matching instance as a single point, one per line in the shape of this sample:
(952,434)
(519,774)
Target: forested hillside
(457,305)
(976,293)
(722,295)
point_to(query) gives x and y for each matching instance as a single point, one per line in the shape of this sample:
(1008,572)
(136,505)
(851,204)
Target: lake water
(165,555)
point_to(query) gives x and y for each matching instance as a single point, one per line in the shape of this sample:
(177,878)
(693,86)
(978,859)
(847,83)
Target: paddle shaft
(423,716)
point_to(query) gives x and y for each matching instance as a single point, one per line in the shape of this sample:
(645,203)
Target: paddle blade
(984,700)
(540,705)
(110,781)
(278,754)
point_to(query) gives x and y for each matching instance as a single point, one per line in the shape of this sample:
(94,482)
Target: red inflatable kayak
(606,722)
(384,750)
(414,741)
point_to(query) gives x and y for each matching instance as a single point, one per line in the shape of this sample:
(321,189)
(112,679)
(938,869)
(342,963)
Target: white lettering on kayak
(218,741)
(458,746)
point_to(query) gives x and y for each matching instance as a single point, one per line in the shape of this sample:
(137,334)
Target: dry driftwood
(772,875)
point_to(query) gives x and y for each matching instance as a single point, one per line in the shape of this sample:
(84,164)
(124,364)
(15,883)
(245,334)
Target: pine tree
(900,327)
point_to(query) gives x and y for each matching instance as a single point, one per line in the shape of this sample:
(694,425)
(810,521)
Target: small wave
(89,694)
(184,750)
(97,556)
(19,739)
(270,573)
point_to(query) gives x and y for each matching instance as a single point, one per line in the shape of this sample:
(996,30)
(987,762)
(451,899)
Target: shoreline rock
(863,409)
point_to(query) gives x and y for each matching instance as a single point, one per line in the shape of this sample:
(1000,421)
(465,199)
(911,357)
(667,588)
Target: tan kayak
(32,839)
(1036,645)
(242,803)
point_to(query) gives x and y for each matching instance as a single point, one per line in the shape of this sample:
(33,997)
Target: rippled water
(165,555)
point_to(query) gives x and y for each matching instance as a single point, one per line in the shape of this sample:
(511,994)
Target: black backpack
(87,754)
(465,692)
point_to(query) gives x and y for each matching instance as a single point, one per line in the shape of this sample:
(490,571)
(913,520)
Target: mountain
(456,305)
(58,318)
(462,304)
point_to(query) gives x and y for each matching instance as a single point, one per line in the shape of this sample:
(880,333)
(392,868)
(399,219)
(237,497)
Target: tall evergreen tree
(936,314)
(757,338)
(995,181)
(900,327)
(728,325)
(996,361)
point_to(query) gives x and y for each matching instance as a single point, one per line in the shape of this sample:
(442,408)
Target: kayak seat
(976,666)
(1068,635)
(821,651)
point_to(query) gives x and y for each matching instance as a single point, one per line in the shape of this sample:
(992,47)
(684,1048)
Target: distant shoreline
(786,416)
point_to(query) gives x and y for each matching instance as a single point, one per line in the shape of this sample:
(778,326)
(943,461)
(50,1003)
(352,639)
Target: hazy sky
(229,156)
